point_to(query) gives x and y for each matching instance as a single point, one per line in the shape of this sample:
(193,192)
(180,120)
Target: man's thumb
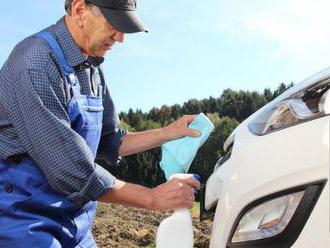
(193,132)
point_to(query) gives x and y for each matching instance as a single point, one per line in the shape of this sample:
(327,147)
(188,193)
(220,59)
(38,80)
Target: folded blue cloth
(178,154)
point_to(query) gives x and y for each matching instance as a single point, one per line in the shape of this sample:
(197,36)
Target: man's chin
(100,53)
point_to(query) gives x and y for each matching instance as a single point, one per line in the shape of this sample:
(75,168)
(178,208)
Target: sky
(196,49)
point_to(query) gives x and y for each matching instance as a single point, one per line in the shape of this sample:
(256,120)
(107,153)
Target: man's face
(98,35)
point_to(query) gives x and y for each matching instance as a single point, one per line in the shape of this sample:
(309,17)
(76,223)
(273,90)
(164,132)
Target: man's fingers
(178,203)
(191,196)
(188,183)
(189,131)
(192,182)
(185,191)
(187,204)
(193,132)
(176,193)
(182,204)
(189,118)
(185,185)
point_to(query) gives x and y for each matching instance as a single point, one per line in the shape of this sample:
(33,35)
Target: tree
(281,88)
(193,106)
(147,125)
(268,94)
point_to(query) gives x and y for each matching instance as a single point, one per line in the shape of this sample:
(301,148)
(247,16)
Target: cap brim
(123,20)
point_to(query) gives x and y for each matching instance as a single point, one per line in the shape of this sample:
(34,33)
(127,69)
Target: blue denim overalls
(31,213)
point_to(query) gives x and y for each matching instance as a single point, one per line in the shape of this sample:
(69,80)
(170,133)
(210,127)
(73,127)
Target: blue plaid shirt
(33,119)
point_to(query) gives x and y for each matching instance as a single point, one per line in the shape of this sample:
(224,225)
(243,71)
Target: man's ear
(78,12)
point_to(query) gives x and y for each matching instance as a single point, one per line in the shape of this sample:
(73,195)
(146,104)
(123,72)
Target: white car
(271,189)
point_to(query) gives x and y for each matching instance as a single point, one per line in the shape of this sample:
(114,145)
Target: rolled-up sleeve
(43,127)
(112,135)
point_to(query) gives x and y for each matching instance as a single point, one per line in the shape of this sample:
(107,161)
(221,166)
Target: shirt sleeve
(112,135)
(43,127)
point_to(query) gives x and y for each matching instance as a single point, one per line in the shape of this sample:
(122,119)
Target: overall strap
(101,88)
(61,59)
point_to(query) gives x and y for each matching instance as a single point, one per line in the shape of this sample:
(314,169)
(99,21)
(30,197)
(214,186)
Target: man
(56,117)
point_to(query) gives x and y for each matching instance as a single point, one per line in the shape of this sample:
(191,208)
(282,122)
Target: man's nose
(118,36)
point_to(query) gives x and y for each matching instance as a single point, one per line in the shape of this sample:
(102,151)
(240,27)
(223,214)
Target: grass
(195,210)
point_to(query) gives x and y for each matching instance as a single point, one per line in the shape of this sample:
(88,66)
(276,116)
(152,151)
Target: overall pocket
(18,183)
(85,111)
(86,114)
(92,116)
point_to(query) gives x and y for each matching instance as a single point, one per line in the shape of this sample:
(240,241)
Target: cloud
(298,28)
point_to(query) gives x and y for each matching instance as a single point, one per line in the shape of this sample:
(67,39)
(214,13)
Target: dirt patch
(117,226)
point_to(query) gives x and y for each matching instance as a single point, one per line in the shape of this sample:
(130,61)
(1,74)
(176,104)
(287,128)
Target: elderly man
(56,117)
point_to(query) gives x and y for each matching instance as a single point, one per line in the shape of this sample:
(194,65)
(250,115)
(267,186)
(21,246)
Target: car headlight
(275,219)
(267,219)
(307,104)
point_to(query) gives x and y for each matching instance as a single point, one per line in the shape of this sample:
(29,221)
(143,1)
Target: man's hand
(180,128)
(174,194)
(141,141)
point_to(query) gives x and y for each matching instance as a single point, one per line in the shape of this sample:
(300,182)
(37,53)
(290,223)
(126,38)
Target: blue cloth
(33,119)
(177,155)
(32,214)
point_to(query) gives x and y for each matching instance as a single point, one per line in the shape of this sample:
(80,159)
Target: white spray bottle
(176,231)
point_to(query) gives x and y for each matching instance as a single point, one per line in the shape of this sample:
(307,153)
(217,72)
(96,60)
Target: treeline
(226,112)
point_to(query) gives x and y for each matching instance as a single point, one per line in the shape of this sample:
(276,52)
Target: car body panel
(263,165)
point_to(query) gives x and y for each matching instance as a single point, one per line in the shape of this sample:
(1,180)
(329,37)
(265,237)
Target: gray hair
(67,5)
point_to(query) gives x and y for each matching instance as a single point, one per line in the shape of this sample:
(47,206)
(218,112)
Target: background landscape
(225,111)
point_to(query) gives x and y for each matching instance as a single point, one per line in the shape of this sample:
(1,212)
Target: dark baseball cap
(120,14)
